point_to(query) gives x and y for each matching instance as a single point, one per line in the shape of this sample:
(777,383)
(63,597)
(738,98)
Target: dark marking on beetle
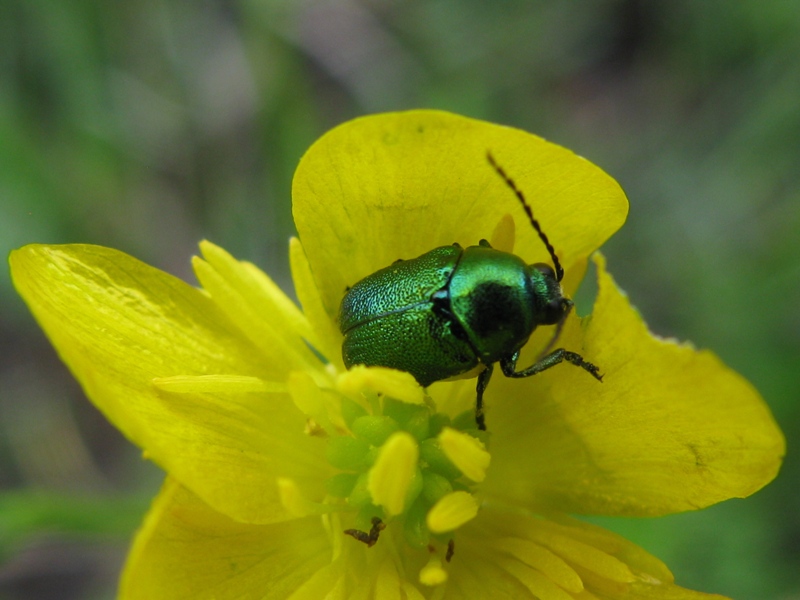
(491,302)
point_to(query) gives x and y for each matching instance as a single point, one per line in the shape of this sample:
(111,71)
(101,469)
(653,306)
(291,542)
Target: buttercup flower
(291,477)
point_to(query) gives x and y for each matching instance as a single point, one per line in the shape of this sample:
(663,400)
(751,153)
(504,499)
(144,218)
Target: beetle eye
(545,270)
(553,312)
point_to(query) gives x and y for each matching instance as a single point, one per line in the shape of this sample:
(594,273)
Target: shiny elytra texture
(443,313)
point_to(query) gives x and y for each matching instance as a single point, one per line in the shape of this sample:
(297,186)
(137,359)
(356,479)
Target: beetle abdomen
(399,317)
(416,340)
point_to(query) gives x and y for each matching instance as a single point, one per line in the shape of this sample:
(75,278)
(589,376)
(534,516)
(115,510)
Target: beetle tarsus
(579,361)
(551,360)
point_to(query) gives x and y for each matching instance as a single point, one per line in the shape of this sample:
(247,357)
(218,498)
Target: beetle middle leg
(483,380)
(509,365)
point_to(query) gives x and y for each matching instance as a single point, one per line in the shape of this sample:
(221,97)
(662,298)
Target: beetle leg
(483,381)
(509,365)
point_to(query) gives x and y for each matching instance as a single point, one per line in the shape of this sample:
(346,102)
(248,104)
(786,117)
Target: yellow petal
(297,503)
(397,185)
(669,429)
(325,583)
(257,306)
(545,561)
(229,447)
(153,353)
(187,550)
(504,549)
(582,555)
(538,584)
(639,561)
(257,288)
(189,384)
(387,582)
(643,590)
(328,338)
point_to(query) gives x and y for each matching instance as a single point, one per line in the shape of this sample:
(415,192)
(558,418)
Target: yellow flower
(273,450)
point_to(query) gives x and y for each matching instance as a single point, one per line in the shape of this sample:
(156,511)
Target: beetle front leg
(483,381)
(509,365)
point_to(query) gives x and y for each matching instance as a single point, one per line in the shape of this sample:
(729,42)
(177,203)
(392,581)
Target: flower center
(407,466)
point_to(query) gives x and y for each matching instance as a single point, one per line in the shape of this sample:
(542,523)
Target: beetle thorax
(551,305)
(492,297)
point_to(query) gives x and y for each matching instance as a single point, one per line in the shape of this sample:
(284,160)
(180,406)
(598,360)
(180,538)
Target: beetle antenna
(510,183)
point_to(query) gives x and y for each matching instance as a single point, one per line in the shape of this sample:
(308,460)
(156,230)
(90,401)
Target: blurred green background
(149,125)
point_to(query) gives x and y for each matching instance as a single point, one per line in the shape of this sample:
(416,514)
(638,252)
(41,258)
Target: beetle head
(552,306)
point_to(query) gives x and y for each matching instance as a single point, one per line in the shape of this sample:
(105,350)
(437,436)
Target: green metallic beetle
(453,311)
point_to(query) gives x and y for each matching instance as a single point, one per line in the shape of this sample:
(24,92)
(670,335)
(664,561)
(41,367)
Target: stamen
(379,380)
(390,477)
(466,452)
(451,512)
(433,573)
(401,461)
